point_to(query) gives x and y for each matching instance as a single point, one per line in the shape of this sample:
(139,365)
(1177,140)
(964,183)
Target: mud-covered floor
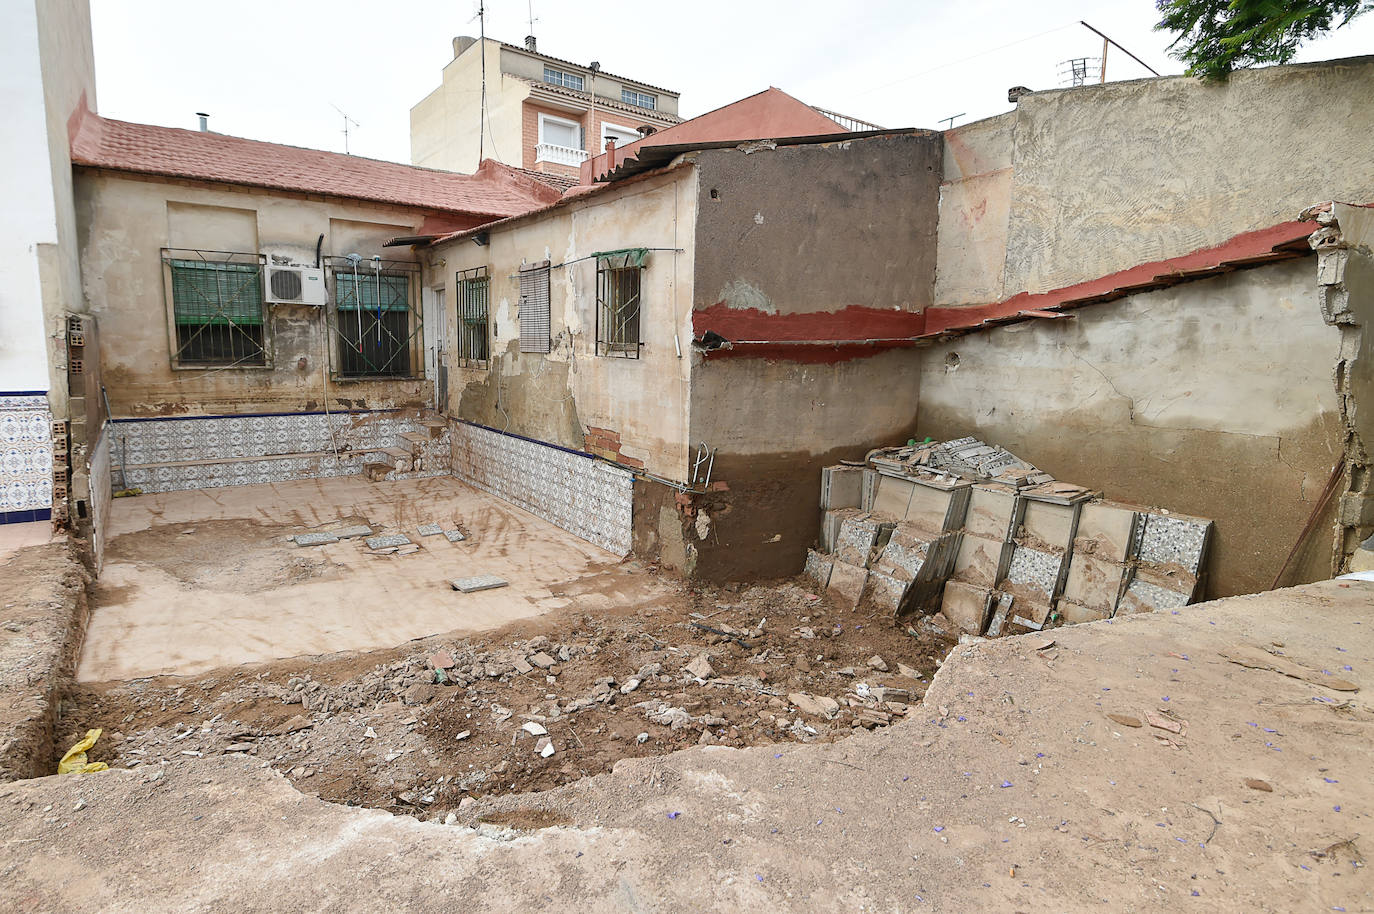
(377,729)
(198,580)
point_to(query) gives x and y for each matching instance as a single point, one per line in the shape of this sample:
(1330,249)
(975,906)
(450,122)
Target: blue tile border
(25,517)
(23,393)
(317,412)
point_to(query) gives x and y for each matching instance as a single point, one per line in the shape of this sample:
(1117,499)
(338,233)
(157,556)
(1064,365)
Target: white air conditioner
(295,285)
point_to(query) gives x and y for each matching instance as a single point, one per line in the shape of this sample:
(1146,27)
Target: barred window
(217,308)
(373,324)
(618,302)
(535,329)
(474,288)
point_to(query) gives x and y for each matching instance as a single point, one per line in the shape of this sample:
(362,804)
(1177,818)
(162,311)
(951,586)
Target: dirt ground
(387,729)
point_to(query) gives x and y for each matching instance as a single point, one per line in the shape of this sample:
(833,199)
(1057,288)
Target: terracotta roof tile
(495,190)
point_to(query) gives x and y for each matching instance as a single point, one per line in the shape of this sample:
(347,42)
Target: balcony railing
(559,155)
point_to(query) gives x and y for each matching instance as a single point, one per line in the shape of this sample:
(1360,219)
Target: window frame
(534,314)
(564,79)
(638,99)
(175,346)
(620,129)
(562,121)
(465,354)
(608,289)
(411,345)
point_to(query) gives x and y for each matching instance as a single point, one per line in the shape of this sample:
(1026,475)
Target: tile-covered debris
(995,545)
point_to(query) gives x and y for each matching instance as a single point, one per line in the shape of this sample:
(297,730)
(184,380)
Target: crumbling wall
(42,624)
(787,234)
(1345,286)
(1210,398)
(1087,181)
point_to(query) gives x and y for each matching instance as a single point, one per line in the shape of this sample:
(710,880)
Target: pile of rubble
(993,544)
(424,726)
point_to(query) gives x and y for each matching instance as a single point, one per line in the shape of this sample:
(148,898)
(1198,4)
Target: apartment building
(544,114)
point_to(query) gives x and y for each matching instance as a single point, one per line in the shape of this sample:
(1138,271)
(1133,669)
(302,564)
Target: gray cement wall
(797,232)
(1211,398)
(1107,177)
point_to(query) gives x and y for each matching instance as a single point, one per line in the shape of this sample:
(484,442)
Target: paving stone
(478,582)
(1035,571)
(977,560)
(314,539)
(541,660)
(1075,614)
(929,508)
(892,496)
(818,566)
(1143,597)
(1093,582)
(429,529)
(454,536)
(886,592)
(841,487)
(989,512)
(1104,531)
(352,532)
(1173,540)
(1051,524)
(382,542)
(966,606)
(846,585)
(855,541)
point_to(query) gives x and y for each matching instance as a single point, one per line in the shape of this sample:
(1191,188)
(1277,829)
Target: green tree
(1217,36)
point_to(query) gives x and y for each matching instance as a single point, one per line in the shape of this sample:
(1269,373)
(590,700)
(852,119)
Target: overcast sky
(274,70)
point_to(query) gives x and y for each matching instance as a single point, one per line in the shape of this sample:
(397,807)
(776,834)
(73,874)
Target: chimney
(610,153)
(204,121)
(462,43)
(530,45)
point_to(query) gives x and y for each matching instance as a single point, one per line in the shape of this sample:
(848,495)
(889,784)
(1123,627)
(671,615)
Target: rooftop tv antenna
(532,19)
(949,121)
(1102,76)
(347,120)
(482,108)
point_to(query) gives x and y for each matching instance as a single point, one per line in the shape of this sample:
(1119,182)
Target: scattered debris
(1258,659)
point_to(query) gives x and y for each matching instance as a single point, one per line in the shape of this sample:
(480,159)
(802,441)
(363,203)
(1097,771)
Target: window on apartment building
(375,322)
(535,325)
(641,99)
(562,78)
(217,308)
(474,288)
(555,131)
(618,275)
(623,136)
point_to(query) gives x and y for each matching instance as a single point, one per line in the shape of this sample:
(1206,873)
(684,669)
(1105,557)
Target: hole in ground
(376,729)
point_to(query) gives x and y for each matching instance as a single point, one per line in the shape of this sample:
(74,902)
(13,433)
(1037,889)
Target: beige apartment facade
(544,114)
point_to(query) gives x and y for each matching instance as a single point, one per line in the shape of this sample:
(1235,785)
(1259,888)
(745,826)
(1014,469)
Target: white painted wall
(29,217)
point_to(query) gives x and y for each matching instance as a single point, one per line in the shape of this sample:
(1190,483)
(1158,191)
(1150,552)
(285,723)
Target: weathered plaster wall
(975,205)
(125,222)
(798,231)
(562,396)
(1211,398)
(443,125)
(1106,177)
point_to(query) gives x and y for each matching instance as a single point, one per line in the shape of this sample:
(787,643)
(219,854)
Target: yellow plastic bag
(75,759)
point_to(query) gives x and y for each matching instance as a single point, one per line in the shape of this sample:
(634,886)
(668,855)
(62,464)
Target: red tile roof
(495,190)
(854,331)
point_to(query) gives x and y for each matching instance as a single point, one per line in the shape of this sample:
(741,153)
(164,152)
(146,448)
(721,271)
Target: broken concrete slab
(841,487)
(892,496)
(383,542)
(353,532)
(846,585)
(1093,582)
(966,606)
(885,592)
(429,529)
(814,705)
(1173,539)
(478,582)
(1034,573)
(315,539)
(1071,613)
(831,522)
(990,511)
(1142,597)
(1105,530)
(858,534)
(818,566)
(978,560)
(454,536)
(1049,523)
(541,660)
(906,552)
(701,668)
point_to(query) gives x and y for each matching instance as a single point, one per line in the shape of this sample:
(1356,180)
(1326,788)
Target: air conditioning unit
(295,285)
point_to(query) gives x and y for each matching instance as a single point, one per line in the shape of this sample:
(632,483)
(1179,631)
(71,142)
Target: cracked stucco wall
(1345,287)
(1211,398)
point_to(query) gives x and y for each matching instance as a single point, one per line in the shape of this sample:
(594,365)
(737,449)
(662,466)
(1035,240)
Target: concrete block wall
(587,497)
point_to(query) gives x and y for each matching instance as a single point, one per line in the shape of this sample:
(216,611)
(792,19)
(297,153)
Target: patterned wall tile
(26,453)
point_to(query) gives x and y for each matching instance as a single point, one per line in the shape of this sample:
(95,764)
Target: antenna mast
(482,111)
(347,120)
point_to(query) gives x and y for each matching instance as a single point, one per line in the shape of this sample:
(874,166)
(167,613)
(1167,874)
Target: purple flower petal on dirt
(1006,783)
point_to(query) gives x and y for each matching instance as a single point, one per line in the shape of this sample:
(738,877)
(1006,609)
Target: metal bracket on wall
(706,455)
